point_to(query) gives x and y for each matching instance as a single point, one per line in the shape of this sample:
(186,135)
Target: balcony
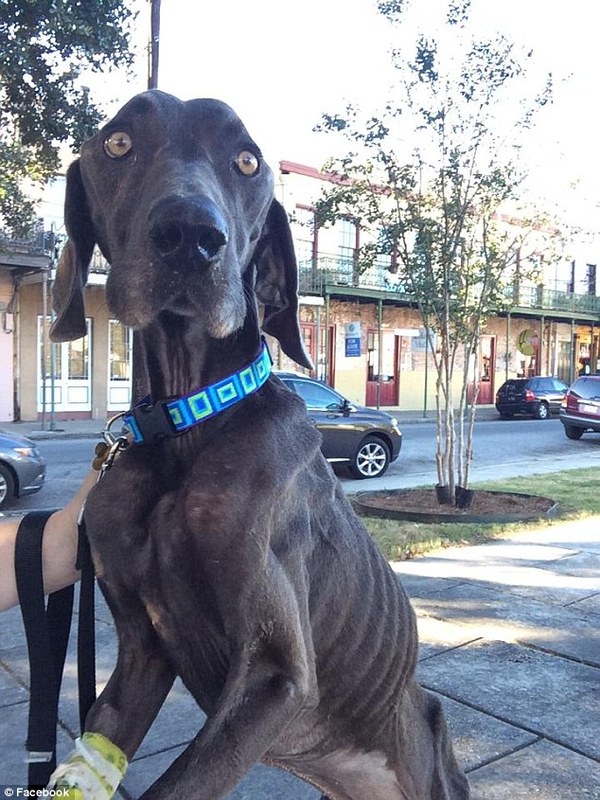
(539,297)
(98,263)
(333,272)
(29,254)
(338,275)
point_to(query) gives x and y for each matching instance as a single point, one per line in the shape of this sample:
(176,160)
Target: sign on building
(352,339)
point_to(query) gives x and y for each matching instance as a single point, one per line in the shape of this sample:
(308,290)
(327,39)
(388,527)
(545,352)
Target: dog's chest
(154,569)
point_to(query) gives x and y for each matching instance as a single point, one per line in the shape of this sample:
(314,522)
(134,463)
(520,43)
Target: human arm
(59,548)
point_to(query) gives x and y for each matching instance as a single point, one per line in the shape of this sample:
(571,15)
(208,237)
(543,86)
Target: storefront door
(382,390)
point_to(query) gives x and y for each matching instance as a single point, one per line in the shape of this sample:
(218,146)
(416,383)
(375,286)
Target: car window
(559,386)
(316,395)
(587,388)
(536,385)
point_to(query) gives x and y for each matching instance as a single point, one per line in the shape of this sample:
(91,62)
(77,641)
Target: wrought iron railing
(36,244)
(99,263)
(551,300)
(330,272)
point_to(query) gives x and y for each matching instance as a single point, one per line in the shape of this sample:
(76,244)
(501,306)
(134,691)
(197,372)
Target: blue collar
(149,422)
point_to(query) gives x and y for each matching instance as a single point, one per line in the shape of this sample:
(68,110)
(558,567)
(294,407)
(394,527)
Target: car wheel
(573,432)
(7,485)
(541,411)
(372,458)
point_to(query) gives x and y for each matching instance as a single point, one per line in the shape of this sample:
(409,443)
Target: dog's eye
(247,162)
(118,144)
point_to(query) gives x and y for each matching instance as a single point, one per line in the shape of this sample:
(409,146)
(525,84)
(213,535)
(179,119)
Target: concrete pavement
(510,639)
(84,428)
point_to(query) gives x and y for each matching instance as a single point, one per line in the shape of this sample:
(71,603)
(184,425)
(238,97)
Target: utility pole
(140,384)
(153,47)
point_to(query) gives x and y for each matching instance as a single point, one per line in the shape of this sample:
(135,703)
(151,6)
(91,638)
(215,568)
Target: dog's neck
(174,356)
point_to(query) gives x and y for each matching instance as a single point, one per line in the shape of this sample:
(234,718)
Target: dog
(222,541)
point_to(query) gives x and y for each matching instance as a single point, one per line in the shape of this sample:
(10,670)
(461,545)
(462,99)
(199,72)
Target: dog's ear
(277,284)
(71,274)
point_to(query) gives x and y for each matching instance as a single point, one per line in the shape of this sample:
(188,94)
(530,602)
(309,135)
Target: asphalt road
(502,448)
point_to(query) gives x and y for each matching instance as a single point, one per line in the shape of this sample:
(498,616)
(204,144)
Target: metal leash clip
(106,451)
(117,446)
(38,756)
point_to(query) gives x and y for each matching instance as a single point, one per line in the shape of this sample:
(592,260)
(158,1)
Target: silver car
(22,468)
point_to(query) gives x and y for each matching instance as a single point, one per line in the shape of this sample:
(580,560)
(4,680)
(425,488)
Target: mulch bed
(423,502)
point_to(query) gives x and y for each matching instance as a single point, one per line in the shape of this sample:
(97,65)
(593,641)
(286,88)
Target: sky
(282,64)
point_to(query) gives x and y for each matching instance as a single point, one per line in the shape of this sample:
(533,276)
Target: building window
(571,283)
(78,359)
(119,351)
(591,279)
(51,365)
(347,240)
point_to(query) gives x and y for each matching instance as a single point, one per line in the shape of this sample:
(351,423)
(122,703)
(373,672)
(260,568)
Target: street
(501,448)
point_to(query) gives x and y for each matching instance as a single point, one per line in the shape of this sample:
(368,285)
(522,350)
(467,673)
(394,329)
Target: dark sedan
(22,468)
(365,439)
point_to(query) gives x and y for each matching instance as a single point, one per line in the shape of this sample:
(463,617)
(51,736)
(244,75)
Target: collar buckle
(150,422)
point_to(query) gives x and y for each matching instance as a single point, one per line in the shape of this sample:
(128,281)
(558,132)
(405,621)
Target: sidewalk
(509,638)
(84,428)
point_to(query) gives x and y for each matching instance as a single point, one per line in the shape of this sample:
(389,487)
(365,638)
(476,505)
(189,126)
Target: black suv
(365,439)
(580,410)
(537,396)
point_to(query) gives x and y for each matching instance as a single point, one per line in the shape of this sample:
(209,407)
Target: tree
(46,46)
(427,178)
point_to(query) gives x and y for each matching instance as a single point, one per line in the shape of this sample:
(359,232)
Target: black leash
(47,630)
(86,629)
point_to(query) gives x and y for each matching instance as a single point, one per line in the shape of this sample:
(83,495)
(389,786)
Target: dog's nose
(188,229)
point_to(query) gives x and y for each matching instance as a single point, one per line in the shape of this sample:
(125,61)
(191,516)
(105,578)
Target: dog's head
(180,201)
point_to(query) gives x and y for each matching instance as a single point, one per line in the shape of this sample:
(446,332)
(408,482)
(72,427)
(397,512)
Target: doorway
(64,373)
(324,367)
(485,370)
(383,379)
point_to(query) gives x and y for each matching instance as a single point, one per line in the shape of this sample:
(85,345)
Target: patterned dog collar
(149,422)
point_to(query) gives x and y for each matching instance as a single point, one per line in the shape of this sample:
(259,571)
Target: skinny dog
(225,547)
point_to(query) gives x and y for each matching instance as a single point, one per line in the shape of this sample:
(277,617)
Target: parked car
(365,439)
(580,410)
(22,468)
(538,396)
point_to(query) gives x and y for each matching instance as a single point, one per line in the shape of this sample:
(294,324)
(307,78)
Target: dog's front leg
(122,715)
(140,682)
(271,678)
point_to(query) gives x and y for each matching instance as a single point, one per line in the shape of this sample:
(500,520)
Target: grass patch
(577,491)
